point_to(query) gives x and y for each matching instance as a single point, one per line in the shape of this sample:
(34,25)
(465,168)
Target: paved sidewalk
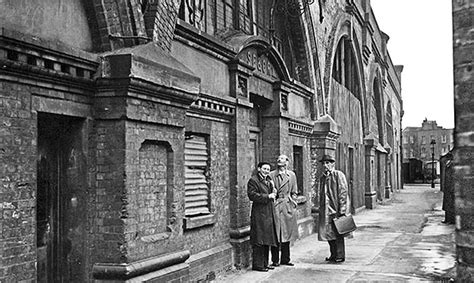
(402,240)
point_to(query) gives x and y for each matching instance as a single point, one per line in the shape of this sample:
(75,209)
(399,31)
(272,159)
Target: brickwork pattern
(152,190)
(463,14)
(239,170)
(206,266)
(108,183)
(17,183)
(164,24)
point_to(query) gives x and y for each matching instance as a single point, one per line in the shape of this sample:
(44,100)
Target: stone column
(370,193)
(388,172)
(323,141)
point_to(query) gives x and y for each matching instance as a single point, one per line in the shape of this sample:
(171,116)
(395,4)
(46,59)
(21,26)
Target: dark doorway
(60,206)
(298,167)
(351,177)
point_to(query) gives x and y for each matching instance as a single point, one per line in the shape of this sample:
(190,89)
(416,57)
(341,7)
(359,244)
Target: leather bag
(345,225)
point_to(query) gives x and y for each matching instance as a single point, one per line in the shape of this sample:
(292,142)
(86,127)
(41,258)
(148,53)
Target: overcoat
(262,225)
(333,201)
(285,205)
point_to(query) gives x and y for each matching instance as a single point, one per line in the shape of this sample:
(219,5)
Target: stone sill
(156,237)
(198,221)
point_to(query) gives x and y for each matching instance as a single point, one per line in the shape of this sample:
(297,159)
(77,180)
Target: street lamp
(433,142)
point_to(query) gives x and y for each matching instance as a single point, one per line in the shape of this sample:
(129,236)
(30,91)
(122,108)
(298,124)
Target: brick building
(463,47)
(417,141)
(129,128)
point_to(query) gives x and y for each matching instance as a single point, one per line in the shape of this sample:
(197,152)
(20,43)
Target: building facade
(463,47)
(417,141)
(130,128)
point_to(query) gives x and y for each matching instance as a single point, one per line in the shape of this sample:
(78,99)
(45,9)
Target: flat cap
(327,157)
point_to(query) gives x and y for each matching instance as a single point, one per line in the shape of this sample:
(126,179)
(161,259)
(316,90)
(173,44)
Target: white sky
(420,34)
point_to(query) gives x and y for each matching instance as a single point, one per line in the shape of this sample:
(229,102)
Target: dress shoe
(269,267)
(275,264)
(330,259)
(262,269)
(288,263)
(338,260)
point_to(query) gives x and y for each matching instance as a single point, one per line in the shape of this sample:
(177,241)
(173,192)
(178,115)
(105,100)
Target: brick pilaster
(463,13)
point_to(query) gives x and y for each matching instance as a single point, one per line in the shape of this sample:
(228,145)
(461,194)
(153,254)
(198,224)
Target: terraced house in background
(130,128)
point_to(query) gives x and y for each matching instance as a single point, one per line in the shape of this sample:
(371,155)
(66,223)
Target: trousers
(259,256)
(337,248)
(285,253)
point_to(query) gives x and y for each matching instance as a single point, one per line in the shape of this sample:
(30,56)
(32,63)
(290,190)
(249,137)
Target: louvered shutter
(196,186)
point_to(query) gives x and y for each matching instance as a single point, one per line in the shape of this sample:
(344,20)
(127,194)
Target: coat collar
(285,176)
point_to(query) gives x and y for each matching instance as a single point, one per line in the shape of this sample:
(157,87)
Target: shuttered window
(196,168)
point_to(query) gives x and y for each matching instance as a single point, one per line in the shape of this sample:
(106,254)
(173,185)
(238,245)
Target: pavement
(403,239)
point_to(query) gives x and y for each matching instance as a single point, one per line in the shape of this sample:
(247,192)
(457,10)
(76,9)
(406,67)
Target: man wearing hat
(333,203)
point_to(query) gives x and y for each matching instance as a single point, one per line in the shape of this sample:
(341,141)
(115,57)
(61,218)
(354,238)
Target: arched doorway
(346,108)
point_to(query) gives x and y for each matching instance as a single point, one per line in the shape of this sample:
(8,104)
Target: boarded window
(196,168)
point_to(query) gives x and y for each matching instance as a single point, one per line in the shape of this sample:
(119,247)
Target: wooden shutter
(196,186)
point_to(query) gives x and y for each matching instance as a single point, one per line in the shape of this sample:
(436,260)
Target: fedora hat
(327,157)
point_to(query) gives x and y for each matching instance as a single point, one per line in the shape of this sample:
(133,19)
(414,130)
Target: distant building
(417,141)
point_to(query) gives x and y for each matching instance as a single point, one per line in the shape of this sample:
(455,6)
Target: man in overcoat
(333,203)
(260,191)
(285,211)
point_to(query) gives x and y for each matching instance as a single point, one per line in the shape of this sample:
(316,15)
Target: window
(345,67)
(423,140)
(193,12)
(196,186)
(412,139)
(411,153)
(405,141)
(443,138)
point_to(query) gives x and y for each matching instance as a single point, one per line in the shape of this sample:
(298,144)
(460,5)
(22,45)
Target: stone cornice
(21,57)
(300,128)
(191,36)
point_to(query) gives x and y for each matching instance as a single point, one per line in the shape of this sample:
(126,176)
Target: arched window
(377,106)
(345,67)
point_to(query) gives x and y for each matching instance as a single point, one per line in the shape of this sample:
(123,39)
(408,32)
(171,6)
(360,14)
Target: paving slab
(402,240)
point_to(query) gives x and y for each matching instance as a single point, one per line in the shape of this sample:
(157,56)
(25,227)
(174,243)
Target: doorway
(350,170)
(60,204)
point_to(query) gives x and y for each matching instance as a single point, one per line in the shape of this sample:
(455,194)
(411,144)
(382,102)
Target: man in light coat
(260,191)
(285,211)
(333,203)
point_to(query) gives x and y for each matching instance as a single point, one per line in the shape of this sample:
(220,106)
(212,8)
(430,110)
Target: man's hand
(272,196)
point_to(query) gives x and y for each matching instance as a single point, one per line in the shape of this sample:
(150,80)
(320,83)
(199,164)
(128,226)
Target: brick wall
(17,183)
(109,189)
(463,15)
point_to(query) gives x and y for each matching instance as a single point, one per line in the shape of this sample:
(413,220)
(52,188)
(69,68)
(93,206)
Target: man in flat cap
(333,203)
(285,211)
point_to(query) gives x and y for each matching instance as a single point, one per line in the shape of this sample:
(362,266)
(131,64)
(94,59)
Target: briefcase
(345,225)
